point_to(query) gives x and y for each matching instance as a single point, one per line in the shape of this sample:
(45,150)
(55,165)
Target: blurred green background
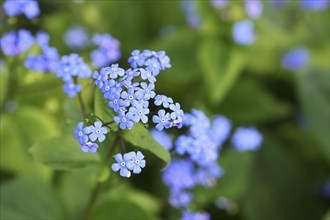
(285,179)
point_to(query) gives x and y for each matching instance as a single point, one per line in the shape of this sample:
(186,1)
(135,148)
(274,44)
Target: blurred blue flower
(71,89)
(76,37)
(179,175)
(180,198)
(314,5)
(253,8)
(121,165)
(89,147)
(42,38)
(107,52)
(207,175)
(243,32)
(220,129)
(162,138)
(47,62)
(136,162)
(295,59)
(13,43)
(28,7)
(192,17)
(219,3)
(187,215)
(248,138)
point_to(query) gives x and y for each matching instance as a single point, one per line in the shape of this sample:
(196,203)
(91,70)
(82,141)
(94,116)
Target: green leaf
(140,137)
(144,204)
(102,109)
(29,199)
(314,94)
(18,131)
(281,183)
(249,103)
(118,209)
(221,67)
(62,153)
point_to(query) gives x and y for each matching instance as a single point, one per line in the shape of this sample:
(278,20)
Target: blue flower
(13,44)
(139,113)
(162,138)
(136,162)
(81,133)
(73,65)
(114,71)
(180,198)
(28,7)
(219,3)
(207,175)
(71,89)
(183,144)
(246,139)
(164,60)
(198,122)
(162,120)
(42,38)
(76,37)
(295,59)
(107,88)
(107,52)
(163,100)
(146,74)
(128,97)
(114,101)
(100,78)
(124,120)
(177,111)
(253,8)
(192,17)
(146,91)
(316,5)
(89,146)
(48,61)
(121,165)
(220,129)
(187,215)
(243,32)
(137,59)
(97,132)
(179,175)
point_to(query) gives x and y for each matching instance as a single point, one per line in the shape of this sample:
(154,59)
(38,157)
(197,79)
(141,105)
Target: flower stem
(98,186)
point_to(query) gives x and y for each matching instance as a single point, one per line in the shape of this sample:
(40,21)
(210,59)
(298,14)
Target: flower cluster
(108,51)
(199,150)
(131,161)
(245,139)
(88,135)
(187,215)
(13,43)
(29,8)
(47,62)
(72,66)
(130,91)
(295,59)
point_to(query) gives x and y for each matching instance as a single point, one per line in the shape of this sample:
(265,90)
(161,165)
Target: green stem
(98,186)
(108,123)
